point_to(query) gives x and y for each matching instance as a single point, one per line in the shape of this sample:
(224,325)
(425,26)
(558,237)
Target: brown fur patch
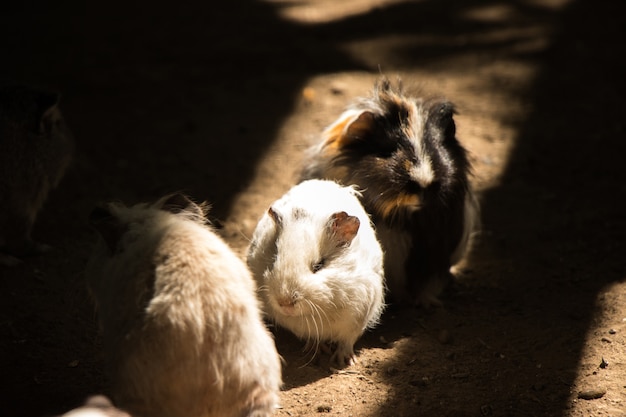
(407,165)
(335,133)
(299,213)
(387,208)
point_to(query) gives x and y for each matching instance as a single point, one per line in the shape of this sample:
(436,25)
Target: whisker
(317,330)
(240,231)
(318,312)
(321,310)
(264,288)
(313,342)
(308,327)
(306,346)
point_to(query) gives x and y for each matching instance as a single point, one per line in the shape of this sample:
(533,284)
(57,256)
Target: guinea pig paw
(263,411)
(327,348)
(343,356)
(428,301)
(428,298)
(259,413)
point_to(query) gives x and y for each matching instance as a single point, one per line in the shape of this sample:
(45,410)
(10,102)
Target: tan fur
(182,330)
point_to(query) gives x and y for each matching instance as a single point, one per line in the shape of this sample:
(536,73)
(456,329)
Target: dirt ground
(220,102)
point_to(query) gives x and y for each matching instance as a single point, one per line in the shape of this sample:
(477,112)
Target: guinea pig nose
(287,305)
(286,301)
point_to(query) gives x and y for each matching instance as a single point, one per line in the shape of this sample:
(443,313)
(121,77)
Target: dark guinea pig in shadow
(36,147)
(402,153)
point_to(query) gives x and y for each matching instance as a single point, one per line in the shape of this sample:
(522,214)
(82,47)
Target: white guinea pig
(319,266)
(181,325)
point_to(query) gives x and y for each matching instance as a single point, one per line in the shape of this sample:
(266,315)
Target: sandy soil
(221,101)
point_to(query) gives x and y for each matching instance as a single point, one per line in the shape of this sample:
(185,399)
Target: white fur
(182,328)
(422,173)
(341,300)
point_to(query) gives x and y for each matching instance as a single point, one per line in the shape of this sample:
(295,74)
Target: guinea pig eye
(318,265)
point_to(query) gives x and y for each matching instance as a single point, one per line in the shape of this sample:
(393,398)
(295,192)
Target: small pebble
(391,371)
(422,383)
(591,394)
(538,386)
(324,408)
(612,331)
(486,410)
(603,364)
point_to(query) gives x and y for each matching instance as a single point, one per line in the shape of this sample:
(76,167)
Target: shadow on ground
(554,237)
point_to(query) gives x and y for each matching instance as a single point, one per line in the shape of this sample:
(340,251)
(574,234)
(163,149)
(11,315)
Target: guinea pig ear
(276,216)
(350,127)
(178,203)
(46,102)
(47,110)
(343,228)
(443,116)
(107,226)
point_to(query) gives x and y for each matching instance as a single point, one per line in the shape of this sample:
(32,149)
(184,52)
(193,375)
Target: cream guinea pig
(181,325)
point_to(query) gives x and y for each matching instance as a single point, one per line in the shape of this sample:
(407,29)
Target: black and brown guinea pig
(402,154)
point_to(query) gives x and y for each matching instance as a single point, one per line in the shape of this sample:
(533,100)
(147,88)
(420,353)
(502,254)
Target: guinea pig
(402,152)
(36,147)
(182,330)
(319,266)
